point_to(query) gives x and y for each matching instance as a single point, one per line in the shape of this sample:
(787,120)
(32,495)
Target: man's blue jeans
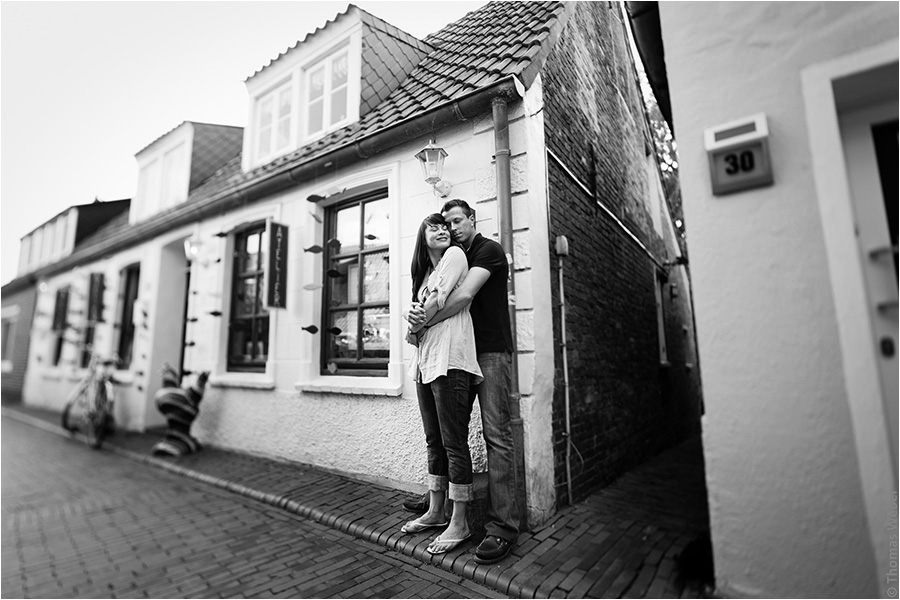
(446,405)
(493,395)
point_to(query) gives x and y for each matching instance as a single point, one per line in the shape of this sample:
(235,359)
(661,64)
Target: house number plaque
(739,155)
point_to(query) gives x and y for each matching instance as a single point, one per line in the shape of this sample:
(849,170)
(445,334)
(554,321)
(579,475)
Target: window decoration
(248,329)
(356,318)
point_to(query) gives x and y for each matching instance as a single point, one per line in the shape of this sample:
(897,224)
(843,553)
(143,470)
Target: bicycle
(89,406)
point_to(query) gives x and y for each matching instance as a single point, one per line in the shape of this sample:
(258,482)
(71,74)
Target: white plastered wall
(787,512)
(48,386)
(365,426)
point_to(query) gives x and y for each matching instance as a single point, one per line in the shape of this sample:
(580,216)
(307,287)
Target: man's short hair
(456,202)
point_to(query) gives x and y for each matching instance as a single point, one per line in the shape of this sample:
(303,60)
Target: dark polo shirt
(489,309)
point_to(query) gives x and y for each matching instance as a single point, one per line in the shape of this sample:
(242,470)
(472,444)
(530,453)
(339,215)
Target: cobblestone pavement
(82,523)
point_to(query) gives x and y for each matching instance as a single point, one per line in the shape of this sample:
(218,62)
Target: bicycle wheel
(95,429)
(64,421)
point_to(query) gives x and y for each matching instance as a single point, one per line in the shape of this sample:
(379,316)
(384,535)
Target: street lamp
(432,158)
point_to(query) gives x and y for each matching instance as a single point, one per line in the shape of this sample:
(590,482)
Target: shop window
(248,326)
(356,315)
(130,278)
(60,323)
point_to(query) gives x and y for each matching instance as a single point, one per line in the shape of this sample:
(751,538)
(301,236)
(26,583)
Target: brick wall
(624,405)
(12,381)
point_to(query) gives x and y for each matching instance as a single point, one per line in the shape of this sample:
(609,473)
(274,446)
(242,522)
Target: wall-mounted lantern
(192,249)
(432,158)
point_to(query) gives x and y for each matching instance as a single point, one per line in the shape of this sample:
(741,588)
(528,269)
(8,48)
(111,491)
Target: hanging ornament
(334,273)
(315,249)
(334,331)
(333,243)
(315,216)
(332,368)
(311,328)
(215,313)
(313,286)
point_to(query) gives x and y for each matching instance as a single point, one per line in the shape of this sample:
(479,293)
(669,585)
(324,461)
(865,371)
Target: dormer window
(274,121)
(327,86)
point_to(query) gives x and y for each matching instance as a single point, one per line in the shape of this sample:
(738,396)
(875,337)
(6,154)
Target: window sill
(361,386)
(252,381)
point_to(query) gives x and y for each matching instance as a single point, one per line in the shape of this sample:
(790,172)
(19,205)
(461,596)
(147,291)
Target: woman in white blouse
(444,366)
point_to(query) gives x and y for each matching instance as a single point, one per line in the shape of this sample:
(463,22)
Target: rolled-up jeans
(446,405)
(493,396)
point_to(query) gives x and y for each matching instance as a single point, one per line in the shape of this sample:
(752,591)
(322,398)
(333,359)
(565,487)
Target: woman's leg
(437,456)
(453,410)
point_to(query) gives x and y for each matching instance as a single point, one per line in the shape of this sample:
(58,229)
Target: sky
(85,85)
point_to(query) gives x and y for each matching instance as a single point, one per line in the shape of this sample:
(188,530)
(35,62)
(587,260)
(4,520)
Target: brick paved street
(82,523)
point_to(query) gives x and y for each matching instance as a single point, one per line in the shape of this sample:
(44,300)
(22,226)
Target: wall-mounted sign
(276,275)
(739,155)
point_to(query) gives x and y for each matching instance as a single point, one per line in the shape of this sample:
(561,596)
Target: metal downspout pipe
(504,199)
(562,251)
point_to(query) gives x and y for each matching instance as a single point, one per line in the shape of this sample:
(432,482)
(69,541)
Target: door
(870,139)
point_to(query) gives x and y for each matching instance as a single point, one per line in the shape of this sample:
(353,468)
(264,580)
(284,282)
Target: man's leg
(503,509)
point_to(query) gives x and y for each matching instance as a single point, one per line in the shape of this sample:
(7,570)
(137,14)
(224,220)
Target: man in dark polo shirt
(485,289)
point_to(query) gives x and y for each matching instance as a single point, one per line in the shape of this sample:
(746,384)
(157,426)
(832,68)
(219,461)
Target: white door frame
(859,355)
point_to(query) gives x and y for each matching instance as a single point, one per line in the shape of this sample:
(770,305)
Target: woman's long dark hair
(420,260)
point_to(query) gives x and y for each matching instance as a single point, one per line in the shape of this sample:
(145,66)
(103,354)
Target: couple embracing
(459,323)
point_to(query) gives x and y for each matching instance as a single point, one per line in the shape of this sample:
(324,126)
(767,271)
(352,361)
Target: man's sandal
(453,544)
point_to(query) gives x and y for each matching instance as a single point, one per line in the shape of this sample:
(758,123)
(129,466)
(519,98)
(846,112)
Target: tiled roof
(480,49)
(115,225)
(214,145)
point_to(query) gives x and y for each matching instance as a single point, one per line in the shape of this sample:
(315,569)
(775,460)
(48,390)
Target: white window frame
(285,85)
(325,64)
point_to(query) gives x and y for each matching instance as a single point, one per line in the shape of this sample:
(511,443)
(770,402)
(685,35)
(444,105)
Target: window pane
(284,134)
(377,275)
(338,105)
(317,83)
(339,71)
(261,349)
(248,252)
(316,119)
(265,141)
(245,298)
(265,112)
(347,230)
(377,226)
(344,277)
(376,333)
(260,296)
(343,344)
(240,349)
(284,103)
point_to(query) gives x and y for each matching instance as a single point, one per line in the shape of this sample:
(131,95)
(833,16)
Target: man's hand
(416,316)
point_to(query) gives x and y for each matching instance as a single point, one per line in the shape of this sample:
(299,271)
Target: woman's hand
(416,316)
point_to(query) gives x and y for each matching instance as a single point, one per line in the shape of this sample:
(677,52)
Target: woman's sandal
(453,544)
(417,526)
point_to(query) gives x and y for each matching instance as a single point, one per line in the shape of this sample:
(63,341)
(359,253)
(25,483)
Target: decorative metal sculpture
(180,406)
